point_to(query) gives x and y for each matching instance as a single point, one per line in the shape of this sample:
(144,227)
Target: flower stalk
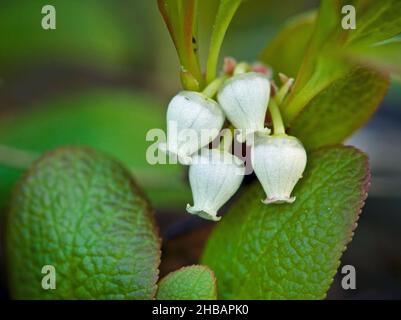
(212,89)
(278,124)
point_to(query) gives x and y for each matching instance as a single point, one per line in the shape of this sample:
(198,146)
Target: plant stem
(225,13)
(172,16)
(283,91)
(180,19)
(188,81)
(214,86)
(278,125)
(189,26)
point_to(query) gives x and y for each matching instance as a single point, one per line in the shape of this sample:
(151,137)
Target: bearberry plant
(291,108)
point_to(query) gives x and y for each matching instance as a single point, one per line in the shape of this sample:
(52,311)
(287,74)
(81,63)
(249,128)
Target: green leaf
(87,32)
(376,21)
(188,283)
(285,53)
(82,213)
(385,57)
(113,121)
(322,66)
(326,28)
(317,70)
(340,109)
(332,96)
(291,251)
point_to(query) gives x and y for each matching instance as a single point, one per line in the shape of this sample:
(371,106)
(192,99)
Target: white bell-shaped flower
(278,162)
(214,176)
(193,121)
(244,99)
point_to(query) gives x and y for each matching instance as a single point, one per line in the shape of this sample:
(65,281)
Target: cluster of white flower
(215,174)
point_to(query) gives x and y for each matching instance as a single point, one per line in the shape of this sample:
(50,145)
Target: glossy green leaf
(188,283)
(114,121)
(82,213)
(286,52)
(87,32)
(340,109)
(291,251)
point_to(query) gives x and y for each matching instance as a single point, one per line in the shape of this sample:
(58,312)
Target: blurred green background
(103,78)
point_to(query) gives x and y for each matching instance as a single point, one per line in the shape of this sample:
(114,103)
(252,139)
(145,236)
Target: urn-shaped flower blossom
(214,176)
(244,99)
(193,121)
(278,162)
